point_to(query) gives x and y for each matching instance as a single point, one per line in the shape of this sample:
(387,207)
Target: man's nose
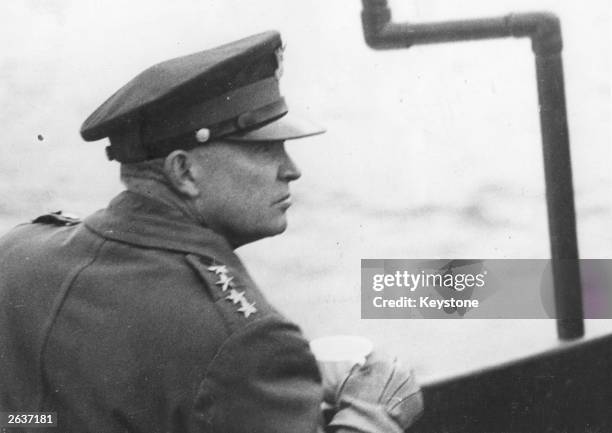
(288,170)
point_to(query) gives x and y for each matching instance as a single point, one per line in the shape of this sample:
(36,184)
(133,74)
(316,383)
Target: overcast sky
(403,126)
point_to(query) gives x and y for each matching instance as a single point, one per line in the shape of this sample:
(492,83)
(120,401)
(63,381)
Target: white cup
(336,356)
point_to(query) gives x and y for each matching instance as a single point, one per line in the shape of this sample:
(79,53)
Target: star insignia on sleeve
(246,308)
(225,282)
(235,296)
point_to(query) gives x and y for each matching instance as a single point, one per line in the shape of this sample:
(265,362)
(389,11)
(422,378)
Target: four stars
(236,297)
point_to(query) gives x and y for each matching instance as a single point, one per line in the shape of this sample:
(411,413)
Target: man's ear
(181,170)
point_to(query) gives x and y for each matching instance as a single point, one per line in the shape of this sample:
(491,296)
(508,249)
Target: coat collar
(138,220)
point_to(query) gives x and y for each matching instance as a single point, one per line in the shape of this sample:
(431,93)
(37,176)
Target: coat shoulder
(58,218)
(232,290)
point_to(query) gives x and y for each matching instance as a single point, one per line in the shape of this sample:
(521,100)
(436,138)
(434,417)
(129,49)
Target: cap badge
(279,52)
(235,297)
(202,135)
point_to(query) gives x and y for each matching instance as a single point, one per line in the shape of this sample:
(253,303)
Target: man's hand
(379,396)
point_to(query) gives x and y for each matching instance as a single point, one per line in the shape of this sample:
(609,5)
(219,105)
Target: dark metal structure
(564,390)
(544,29)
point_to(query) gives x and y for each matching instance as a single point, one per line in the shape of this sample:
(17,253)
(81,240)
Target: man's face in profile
(245,188)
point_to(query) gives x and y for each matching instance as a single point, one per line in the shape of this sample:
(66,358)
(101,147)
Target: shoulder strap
(57,218)
(230,293)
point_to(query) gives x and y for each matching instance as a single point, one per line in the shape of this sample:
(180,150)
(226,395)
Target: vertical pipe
(544,29)
(559,196)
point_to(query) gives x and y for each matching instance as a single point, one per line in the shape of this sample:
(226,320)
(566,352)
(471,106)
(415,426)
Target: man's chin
(265,232)
(278,228)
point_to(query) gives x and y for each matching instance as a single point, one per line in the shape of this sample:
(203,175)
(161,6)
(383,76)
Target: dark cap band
(239,104)
(129,147)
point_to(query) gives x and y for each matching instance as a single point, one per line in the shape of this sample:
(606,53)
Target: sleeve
(264,379)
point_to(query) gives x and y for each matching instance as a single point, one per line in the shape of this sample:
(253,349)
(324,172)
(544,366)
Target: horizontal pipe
(405,35)
(380,32)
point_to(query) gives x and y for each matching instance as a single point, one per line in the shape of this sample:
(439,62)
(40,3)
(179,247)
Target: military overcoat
(140,320)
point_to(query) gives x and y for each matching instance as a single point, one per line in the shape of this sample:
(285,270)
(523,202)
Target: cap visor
(288,127)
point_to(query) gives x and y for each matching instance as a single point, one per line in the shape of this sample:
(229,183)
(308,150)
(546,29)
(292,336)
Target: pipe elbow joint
(387,37)
(378,30)
(544,29)
(375,17)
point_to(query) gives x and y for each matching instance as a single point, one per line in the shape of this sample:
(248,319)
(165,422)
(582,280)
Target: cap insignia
(279,52)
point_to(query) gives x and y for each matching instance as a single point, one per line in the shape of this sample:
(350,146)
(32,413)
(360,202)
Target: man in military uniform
(141,318)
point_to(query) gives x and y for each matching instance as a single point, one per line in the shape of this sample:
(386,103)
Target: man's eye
(265,147)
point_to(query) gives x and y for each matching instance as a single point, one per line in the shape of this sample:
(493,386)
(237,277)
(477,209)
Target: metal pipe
(560,197)
(544,29)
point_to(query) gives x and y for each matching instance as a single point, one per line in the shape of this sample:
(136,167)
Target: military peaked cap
(229,92)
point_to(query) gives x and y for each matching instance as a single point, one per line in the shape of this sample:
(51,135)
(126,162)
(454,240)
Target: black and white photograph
(358,216)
